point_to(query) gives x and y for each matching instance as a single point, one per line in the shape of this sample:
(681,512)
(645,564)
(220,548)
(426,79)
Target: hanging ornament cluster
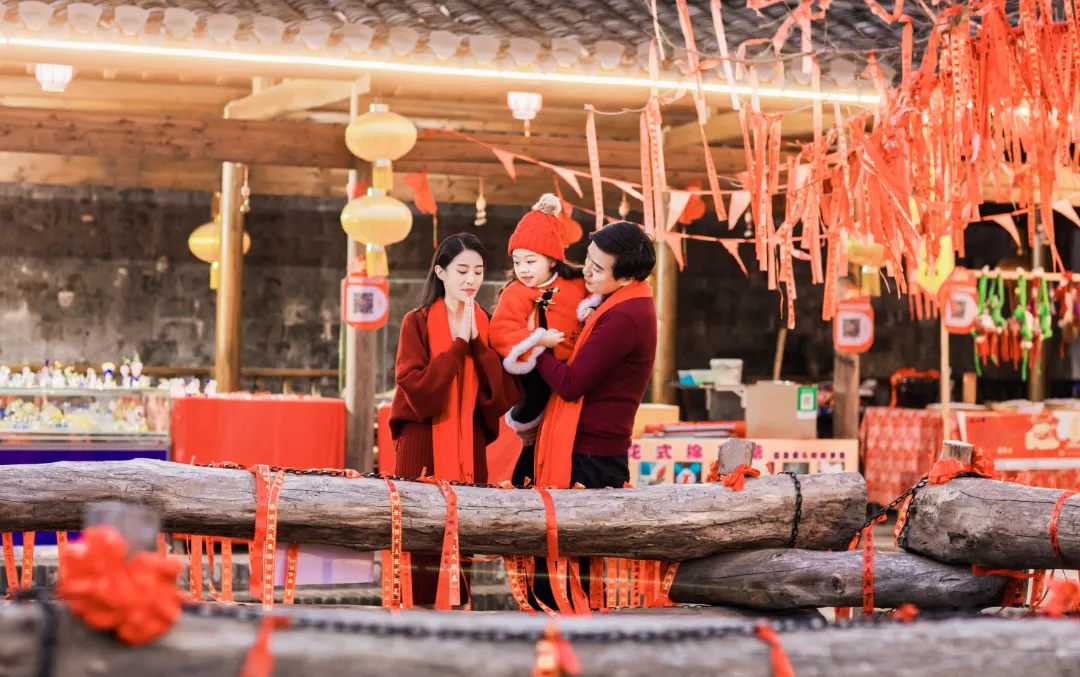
(481,206)
(1018,337)
(205,241)
(377,220)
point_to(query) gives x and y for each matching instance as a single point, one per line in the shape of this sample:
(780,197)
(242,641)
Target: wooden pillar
(230,286)
(665,289)
(845,386)
(359,386)
(1037,368)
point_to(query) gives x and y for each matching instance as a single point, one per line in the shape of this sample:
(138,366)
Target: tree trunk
(445,645)
(999,525)
(793,579)
(667,522)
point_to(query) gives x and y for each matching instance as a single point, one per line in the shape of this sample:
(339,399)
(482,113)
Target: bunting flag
(740,200)
(675,242)
(1006,221)
(422,195)
(732,246)
(1065,208)
(570,178)
(594,167)
(677,201)
(695,208)
(507,160)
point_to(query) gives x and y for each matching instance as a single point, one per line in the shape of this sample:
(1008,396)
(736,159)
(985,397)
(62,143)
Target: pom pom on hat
(548,204)
(539,231)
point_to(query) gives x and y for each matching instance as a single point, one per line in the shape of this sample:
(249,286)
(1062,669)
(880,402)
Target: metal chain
(798,509)
(335,623)
(892,506)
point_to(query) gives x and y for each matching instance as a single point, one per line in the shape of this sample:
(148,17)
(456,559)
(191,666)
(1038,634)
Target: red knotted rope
(781,664)
(136,598)
(736,479)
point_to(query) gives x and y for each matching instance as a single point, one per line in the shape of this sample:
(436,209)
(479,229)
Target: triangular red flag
(507,160)
(421,188)
(569,177)
(733,248)
(740,200)
(1006,222)
(1065,208)
(674,240)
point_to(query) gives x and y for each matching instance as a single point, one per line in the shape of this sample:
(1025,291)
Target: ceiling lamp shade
(524,105)
(380,135)
(377,219)
(53,77)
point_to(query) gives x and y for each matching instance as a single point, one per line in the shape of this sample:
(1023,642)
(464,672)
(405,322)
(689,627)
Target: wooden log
(664,522)
(498,645)
(794,579)
(999,525)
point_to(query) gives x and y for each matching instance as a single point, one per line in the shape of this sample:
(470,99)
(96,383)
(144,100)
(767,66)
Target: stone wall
(134,286)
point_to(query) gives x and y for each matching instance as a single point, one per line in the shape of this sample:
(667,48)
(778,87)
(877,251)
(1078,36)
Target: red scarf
(559,427)
(452,430)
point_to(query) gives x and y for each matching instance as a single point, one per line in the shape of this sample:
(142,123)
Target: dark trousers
(594,472)
(534,401)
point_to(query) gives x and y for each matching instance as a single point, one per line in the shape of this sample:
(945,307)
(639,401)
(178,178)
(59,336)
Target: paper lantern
(205,243)
(377,221)
(380,135)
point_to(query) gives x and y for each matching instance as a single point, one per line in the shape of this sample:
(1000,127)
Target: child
(544,292)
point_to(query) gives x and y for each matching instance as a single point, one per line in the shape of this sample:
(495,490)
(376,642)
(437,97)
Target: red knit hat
(538,231)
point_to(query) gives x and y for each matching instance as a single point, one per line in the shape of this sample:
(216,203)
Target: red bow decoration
(554,655)
(137,597)
(736,479)
(1064,598)
(906,613)
(946,469)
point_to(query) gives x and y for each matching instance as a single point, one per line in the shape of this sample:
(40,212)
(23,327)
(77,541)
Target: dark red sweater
(611,372)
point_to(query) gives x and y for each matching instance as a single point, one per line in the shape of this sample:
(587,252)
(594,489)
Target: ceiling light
(53,77)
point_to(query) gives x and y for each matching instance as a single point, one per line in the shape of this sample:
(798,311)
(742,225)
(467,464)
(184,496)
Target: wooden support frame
(292,96)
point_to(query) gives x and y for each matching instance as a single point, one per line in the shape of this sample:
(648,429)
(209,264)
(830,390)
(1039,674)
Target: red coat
(510,333)
(423,381)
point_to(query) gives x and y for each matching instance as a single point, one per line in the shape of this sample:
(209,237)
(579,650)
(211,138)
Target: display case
(42,425)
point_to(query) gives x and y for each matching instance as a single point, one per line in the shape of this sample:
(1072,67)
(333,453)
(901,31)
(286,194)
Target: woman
(451,387)
(587,428)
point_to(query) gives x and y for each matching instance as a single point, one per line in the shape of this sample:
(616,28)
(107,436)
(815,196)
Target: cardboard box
(781,410)
(654,414)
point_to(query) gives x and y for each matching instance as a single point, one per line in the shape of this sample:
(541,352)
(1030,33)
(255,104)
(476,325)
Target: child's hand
(551,338)
(586,313)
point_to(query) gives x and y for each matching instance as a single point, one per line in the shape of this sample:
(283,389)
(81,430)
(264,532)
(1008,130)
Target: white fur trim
(593,301)
(522,427)
(514,364)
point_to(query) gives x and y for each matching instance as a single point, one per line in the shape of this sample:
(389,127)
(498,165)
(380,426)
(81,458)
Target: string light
(392,67)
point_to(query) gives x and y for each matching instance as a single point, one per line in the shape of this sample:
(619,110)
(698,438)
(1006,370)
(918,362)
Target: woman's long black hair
(448,250)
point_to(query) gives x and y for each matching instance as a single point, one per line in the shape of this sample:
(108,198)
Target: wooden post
(666,287)
(138,524)
(1037,368)
(734,453)
(961,451)
(845,386)
(946,380)
(359,391)
(230,287)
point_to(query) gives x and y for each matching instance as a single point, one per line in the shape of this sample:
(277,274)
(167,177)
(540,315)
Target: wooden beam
(162,138)
(167,138)
(293,95)
(215,640)
(668,523)
(724,128)
(57,170)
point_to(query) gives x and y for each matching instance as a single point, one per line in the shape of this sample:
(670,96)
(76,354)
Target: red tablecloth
(898,447)
(299,433)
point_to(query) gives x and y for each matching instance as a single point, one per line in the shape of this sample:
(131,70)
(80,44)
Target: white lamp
(524,106)
(53,77)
